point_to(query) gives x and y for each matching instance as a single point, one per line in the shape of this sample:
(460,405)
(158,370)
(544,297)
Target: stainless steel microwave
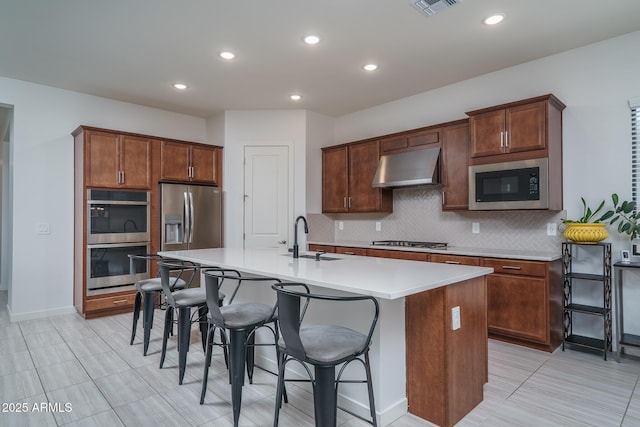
(522,184)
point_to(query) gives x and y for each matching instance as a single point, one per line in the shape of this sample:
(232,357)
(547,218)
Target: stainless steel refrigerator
(190,217)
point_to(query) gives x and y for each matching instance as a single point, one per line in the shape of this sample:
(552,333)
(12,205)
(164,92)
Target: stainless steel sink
(309,256)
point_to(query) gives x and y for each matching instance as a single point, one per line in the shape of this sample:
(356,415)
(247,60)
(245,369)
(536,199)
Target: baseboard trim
(31,315)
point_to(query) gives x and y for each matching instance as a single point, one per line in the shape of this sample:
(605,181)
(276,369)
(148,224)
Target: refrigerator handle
(192,219)
(187,218)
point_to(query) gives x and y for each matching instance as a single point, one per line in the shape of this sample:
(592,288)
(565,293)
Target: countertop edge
(453,250)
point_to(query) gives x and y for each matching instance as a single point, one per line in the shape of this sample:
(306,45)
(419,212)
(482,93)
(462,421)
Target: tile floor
(90,365)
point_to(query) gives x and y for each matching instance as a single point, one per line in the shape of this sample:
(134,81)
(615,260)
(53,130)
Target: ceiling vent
(431,7)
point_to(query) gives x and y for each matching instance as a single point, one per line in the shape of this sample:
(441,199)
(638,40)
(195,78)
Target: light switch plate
(378,226)
(475,227)
(340,225)
(455,318)
(43,228)
(551,228)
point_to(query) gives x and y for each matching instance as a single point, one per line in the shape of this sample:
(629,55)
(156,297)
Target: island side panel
(446,369)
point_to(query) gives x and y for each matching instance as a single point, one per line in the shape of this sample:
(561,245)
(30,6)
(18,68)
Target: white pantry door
(266,196)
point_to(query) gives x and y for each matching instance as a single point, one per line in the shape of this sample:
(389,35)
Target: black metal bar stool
(182,301)
(324,347)
(147,294)
(241,320)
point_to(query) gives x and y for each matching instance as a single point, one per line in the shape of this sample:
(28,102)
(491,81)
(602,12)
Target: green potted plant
(589,228)
(625,215)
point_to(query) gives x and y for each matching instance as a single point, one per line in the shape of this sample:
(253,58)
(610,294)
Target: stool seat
(191,297)
(154,284)
(331,344)
(241,315)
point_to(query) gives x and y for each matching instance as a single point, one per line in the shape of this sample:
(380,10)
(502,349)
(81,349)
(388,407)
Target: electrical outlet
(475,227)
(43,228)
(455,318)
(340,225)
(551,228)
(378,226)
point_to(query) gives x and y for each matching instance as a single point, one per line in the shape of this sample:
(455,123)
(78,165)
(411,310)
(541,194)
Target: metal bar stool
(240,321)
(182,301)
(147,293)
(324,347)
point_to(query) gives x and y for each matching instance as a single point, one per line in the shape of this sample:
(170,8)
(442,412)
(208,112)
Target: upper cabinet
(181,161)
(114,160)
(407,141)
(347,173)
(526,129)
(454,166)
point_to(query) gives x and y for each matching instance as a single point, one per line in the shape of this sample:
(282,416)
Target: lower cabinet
(524,301)
(112,304)
(345,250)
(412,256)
(322,248)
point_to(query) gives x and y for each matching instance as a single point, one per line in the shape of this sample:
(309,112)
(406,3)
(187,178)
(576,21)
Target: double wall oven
(118,223)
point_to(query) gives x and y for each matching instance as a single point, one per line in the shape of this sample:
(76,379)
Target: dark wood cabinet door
(101,160)
(518,307)
(393,144)
(526,128)
(334,180)
(174,161)
(363,162)
(135,162)
(204,161)
(487,133)
(423,138)
(455,167)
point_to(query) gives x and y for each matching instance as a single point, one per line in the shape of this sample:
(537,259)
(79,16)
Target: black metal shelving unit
(569,277)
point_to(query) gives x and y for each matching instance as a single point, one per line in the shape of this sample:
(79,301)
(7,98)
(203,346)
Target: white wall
(319,134)
(242,128)
(44,118)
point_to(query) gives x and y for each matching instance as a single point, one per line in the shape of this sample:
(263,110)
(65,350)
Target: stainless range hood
(418,167)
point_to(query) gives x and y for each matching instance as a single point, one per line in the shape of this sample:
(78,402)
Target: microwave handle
(187,218)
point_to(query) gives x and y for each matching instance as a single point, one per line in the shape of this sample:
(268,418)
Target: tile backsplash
(417,215)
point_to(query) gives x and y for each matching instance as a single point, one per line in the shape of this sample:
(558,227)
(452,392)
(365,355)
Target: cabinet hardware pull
(344,202)
(506,139)
(122,180)
(443,198)
(120,301)
(452,262)
(349,253)
(501,139)
(349,202)
(511,267)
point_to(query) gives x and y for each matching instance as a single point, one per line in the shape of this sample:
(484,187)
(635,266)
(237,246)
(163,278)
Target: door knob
(282,242)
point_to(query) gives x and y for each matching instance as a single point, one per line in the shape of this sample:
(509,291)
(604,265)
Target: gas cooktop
(409,244)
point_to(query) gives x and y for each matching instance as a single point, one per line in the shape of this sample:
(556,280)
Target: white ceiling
(134,50)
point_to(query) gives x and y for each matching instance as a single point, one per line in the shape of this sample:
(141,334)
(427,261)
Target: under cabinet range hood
(418,167)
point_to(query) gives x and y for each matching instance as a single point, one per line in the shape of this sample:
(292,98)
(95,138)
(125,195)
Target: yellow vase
(586,233)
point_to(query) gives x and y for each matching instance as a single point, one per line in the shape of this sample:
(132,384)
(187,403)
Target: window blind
(635,147)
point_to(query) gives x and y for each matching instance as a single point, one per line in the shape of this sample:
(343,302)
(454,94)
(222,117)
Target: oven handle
(117,245)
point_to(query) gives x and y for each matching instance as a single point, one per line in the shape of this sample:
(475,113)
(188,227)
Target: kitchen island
(422,361)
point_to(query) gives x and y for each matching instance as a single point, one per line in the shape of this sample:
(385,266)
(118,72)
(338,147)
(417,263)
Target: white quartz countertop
(455,250)
(378,277)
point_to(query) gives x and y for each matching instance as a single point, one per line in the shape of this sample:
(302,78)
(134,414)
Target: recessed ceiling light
(295,97)
(311,39)
(370,67)
(227,55)
(180,86)
(494,19)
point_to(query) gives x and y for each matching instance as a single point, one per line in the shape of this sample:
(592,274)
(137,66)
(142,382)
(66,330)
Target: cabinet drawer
(518,267)
(351,251)
(411,256)
(322,248)
(110,302)
(455,259)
